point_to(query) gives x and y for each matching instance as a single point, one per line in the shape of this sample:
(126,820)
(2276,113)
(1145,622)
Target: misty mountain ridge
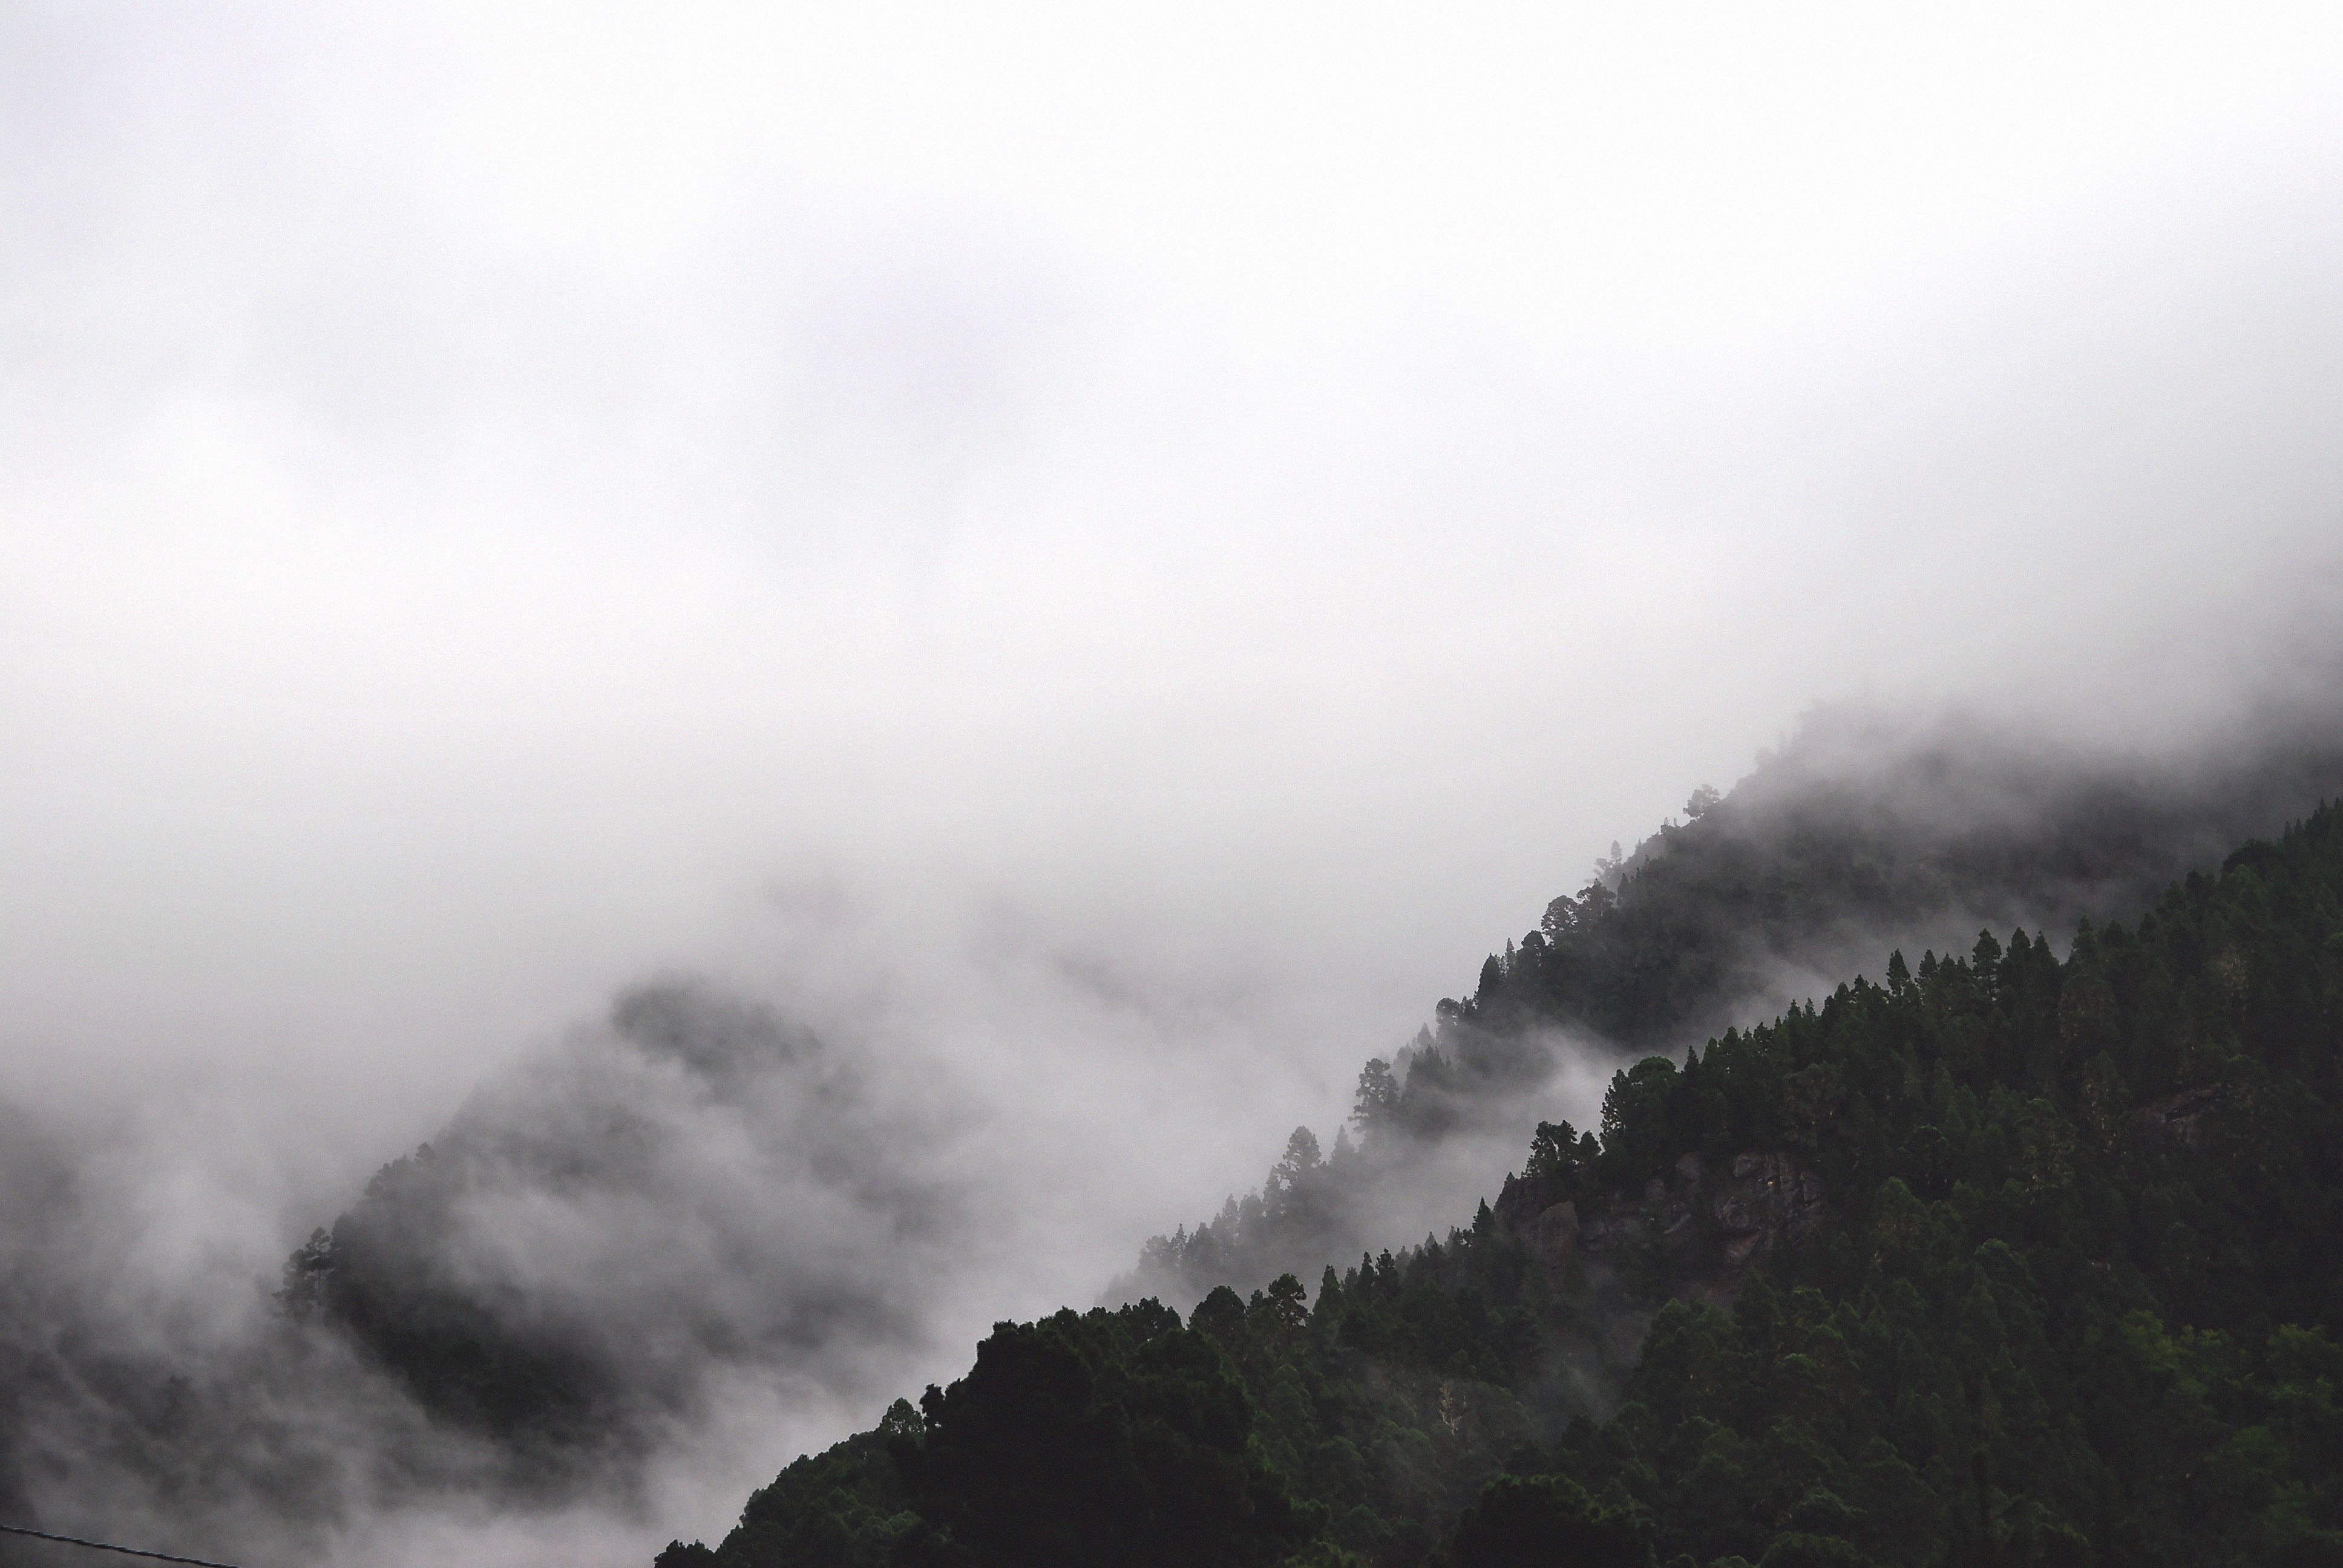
(1867,831)
(2008,1260)
(528,1309)
(564,1269)
(613,1232)
(700,1187)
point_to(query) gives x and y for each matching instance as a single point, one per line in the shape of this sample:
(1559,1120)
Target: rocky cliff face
(1766,1200)
(2181,1117)
(1708,1224)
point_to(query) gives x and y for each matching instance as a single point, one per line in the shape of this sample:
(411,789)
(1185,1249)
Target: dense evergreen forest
(1864,831)
(2000,1258)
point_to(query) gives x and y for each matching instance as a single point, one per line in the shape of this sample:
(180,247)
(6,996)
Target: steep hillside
(502,1274)
(1866,831)
(2001,1259)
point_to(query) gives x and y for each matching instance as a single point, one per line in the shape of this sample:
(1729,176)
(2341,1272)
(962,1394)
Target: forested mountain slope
(2003,1259)
(1865,831)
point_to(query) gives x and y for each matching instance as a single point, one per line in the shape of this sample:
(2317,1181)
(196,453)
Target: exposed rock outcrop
(1552,1235)
(1709,1223)
(1766,1198)
(2182,1116)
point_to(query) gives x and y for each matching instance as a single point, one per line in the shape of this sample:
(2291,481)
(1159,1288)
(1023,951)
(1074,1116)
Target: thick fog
(1093,566)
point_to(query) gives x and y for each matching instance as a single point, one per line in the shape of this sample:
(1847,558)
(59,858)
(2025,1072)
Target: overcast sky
(1216,513)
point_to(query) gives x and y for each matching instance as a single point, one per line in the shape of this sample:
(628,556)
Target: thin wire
(102,1546)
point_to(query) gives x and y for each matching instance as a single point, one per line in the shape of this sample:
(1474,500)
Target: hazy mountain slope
(699,1190)
(1867,831)
(202,1422)
(616,1230)
(695,1196)
(2008,1260)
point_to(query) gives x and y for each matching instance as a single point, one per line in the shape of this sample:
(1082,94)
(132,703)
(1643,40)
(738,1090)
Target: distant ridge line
(103,1546)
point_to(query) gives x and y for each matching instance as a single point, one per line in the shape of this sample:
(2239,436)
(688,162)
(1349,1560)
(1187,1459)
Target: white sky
(498,501)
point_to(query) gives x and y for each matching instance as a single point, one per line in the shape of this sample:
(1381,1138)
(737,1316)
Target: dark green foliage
(2078,1272)
(1859,825)
(1105,1438)
(2012,1260)
(1546,1521)
(1114,1438)
(846,1508)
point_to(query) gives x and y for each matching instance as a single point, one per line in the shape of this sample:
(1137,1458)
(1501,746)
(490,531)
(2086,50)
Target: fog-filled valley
(695,703)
